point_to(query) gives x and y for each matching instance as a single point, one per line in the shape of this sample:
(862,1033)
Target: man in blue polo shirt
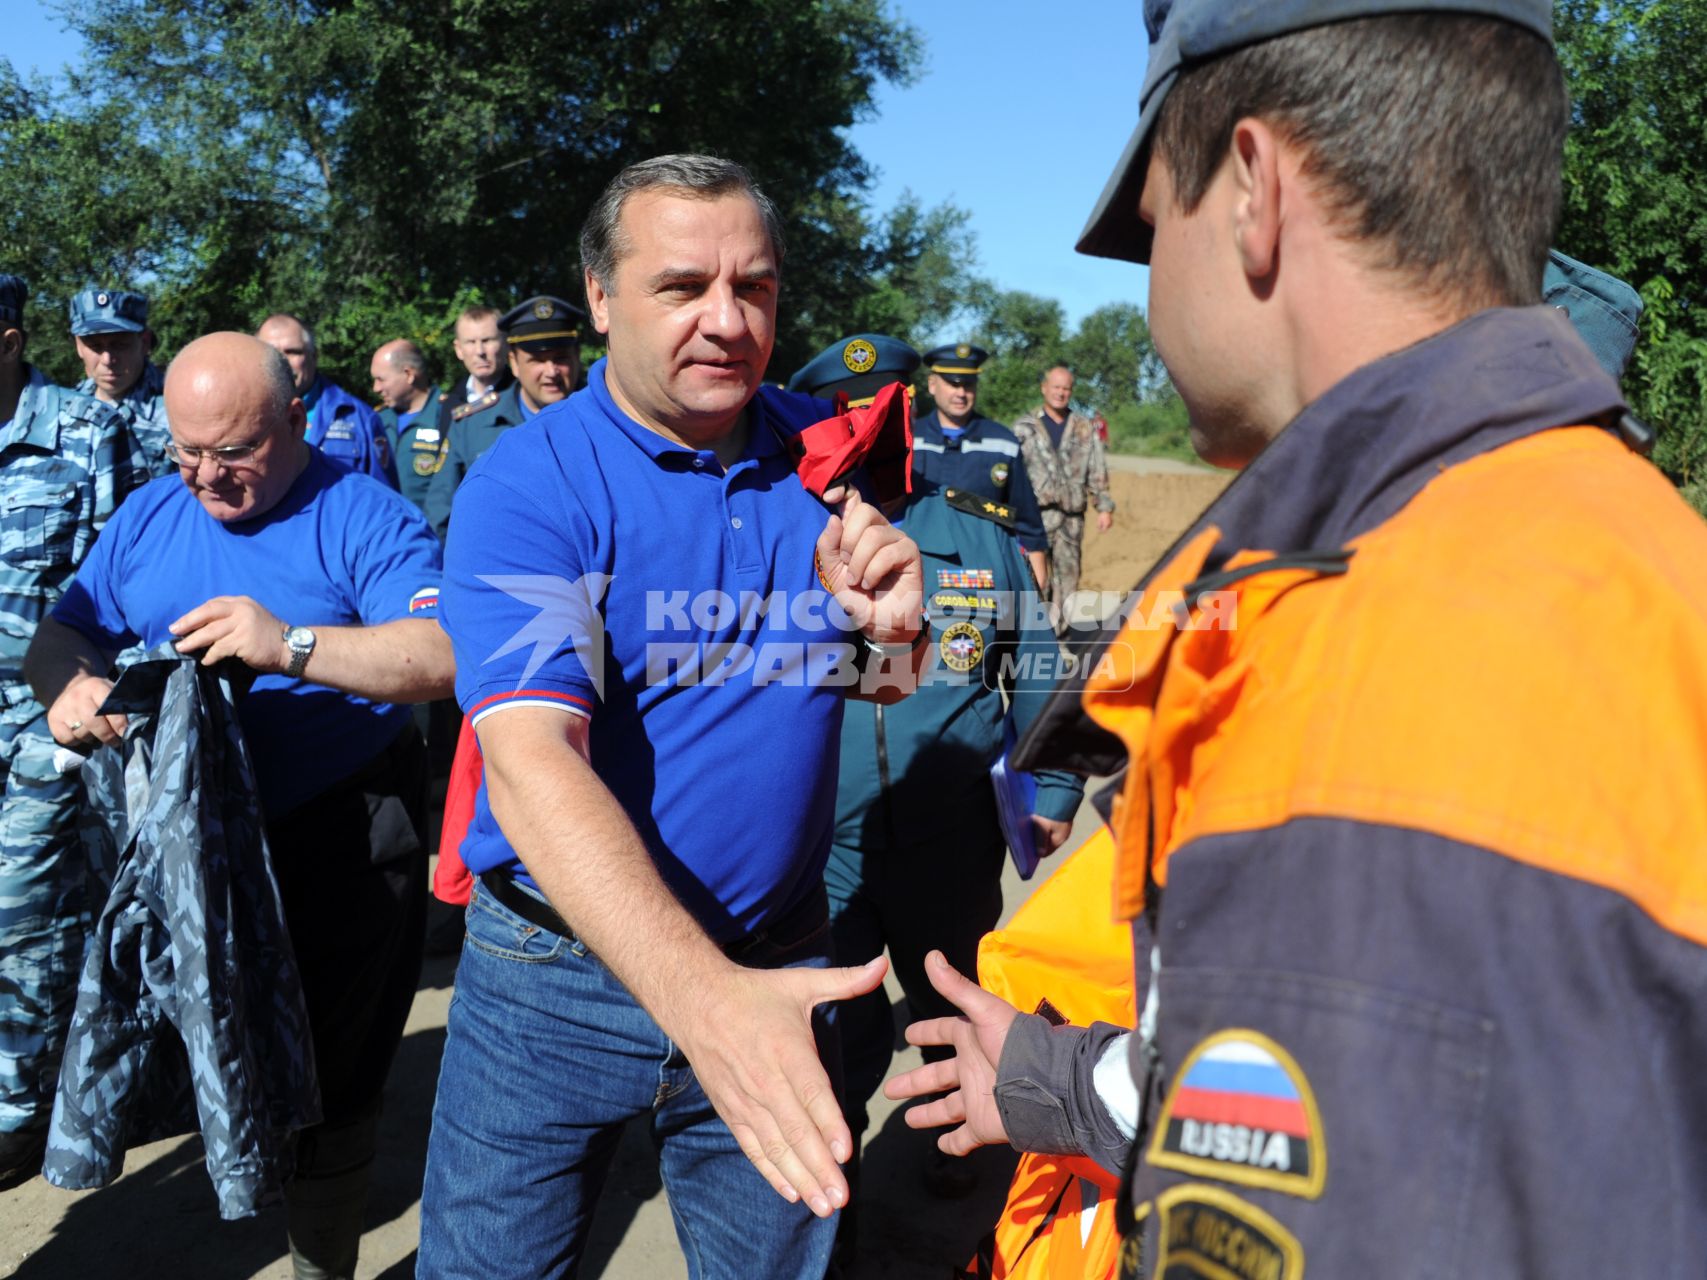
(342,427)
(655,625)
(326,584)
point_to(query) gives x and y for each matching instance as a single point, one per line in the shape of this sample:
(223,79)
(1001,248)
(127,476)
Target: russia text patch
(1241,1110)
(1208,1233)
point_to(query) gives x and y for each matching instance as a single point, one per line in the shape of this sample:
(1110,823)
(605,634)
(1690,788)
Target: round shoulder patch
(859,356)
(999,473)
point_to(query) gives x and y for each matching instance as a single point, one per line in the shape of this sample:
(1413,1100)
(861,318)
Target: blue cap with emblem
(13,294)
(1603,308)
(541,323)
(1185,32)
(108,311)
(857,367)
(958,362)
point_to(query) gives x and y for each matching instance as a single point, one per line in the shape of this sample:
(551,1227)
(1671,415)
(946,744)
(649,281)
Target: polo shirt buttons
(736,522)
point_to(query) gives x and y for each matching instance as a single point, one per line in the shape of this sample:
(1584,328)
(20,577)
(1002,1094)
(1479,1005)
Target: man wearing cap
(480,347)
(114,342)
(1069,472)
(914,804)
(339,425)
(958,449)
(412,413)
(542,337)
(648,935)
(326,584)
(66,462)
(1411,849)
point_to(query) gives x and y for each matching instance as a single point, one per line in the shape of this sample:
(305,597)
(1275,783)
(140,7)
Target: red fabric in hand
(878,436)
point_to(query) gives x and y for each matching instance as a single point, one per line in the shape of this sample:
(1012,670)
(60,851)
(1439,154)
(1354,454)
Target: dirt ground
(1153,507)
(158,1220)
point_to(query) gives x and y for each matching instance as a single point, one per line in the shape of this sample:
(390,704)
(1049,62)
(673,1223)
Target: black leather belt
(501,886)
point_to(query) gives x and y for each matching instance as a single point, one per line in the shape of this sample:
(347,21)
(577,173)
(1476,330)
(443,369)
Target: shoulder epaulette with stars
(974,504)
(474,406)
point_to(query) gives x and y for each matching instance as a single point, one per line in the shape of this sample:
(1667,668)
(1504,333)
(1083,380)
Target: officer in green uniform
(915,807)
(543,338)
(413,414)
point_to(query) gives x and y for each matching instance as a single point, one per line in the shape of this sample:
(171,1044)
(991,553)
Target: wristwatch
(902,650)
(301,642)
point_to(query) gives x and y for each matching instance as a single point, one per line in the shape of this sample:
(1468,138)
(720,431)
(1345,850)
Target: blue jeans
(546,1057)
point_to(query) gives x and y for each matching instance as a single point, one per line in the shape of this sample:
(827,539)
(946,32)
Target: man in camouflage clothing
(65,464)
(115,344)
(1068,469)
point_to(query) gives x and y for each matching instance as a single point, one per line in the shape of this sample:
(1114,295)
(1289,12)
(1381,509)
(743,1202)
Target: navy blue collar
(1352,460)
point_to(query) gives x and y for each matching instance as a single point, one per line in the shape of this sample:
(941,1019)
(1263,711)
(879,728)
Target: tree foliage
(1633,201)
(371,162)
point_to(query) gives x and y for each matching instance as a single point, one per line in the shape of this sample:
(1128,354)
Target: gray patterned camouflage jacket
(1070,478)
(190,957)
(66,462)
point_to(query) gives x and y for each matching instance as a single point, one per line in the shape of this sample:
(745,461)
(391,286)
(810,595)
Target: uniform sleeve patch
(424,599)
(1241,1110)
(1211,1234)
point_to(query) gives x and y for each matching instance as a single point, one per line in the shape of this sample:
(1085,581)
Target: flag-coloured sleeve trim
(557,699)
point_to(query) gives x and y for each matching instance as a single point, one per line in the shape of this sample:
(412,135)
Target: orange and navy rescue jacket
(1414,821)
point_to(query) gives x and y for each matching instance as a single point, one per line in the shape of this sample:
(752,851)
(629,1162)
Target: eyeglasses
(231,455)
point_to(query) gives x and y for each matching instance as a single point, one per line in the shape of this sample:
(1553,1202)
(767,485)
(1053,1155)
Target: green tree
(333,156)
(1115,360)
(1633,201)
(1023,333)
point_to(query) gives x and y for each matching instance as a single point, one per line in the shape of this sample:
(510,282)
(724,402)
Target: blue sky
(1016,118)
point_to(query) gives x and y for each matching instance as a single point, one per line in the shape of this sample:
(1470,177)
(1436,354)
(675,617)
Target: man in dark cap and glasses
(1410,851)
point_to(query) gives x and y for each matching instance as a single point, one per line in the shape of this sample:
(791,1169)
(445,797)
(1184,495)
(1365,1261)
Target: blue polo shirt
(596,567)
(340,549)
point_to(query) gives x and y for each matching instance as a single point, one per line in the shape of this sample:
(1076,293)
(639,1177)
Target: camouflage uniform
(1065,481)
(66,462)
(143,410)
(191,945)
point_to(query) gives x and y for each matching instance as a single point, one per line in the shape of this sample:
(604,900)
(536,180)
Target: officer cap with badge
(857,367)
(957,363)
(108,311)
(542,324)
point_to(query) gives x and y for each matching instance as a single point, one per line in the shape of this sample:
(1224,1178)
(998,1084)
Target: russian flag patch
(425,598)
(1241,1110)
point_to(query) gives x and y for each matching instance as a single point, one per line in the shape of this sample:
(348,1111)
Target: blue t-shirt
(340,549)
(597,567)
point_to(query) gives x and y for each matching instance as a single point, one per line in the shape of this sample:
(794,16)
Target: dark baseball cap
(1185,32)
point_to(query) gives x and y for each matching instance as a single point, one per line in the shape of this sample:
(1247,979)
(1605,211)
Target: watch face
(300,638)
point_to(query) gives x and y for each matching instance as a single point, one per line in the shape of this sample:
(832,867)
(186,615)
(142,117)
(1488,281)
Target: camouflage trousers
(1066,536)
(44,917)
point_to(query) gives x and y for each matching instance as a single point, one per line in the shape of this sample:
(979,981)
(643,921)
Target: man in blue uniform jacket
(914,805)
(957,448)
(339,425)
(543,339)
